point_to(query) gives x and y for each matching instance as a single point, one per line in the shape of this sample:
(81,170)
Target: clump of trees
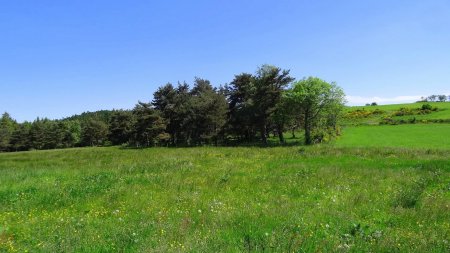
(319,104)
(435,98)
(248,109)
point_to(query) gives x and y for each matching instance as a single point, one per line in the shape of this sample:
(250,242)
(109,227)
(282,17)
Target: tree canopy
(318,102)
(247,110)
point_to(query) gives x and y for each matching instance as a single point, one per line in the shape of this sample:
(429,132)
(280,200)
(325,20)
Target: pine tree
(7,127)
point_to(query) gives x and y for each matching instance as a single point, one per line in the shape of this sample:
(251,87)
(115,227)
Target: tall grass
(319,199)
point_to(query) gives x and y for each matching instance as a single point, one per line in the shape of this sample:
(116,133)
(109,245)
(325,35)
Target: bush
(426,107)
(363,113)
(323,135)
(388,121)
(404,111)
(377,111)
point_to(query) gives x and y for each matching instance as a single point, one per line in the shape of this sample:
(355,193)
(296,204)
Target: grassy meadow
(445,106)
(442,113)
(377,188)
(427,136)
(236,199)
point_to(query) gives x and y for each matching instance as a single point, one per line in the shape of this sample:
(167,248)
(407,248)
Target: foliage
(102,115)
(149,128)
(7,127)
(253,99)
(362,113)
(320,103)
(94,132)
(435,98)
(426,107)
(209,109)
(121,127)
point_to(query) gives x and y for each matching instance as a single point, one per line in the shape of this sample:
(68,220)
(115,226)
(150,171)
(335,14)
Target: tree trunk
(263,133)
(308,140)
(280,133)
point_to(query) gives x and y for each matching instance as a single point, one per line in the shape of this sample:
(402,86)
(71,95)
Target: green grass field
(443,113)
(377,188)
(428,136)
(393,107)
(314,199)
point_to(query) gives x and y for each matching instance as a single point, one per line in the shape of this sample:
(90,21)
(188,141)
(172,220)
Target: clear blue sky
(59,58)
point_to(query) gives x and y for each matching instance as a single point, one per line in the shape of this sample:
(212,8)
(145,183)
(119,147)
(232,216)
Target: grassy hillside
(225,199)
(434,136)
(442,113)
(393,107)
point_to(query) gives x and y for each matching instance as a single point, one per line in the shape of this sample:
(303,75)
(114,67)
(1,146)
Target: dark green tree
(442,98)
(52,135)
(269,83)
(70,133)
(20,139)
(37,134)
(94,132)
(7,127)
(209,108)
(432,98)
(149,127)
(241,116)
(282,117)
(121,127)
(183,115)
(165,101)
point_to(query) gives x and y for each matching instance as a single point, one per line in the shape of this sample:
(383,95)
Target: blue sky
(59,58)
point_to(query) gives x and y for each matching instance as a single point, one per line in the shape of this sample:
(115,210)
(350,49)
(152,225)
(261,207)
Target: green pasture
(442,113)
(427,136)
(217,199)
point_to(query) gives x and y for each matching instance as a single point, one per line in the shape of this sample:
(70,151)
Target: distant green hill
(397,114)
(103,115)
(430,136)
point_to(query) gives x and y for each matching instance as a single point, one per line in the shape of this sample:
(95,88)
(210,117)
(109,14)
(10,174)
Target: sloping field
(442,113)
(392,107)
(319,199)
(434,136)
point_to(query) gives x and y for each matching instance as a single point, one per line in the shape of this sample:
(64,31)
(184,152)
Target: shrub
(322,135)
(377,111)
(363,113)
(404,111)
(388,121)
(426,107)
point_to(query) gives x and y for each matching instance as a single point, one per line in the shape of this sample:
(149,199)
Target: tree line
(435,98)
(247,110)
